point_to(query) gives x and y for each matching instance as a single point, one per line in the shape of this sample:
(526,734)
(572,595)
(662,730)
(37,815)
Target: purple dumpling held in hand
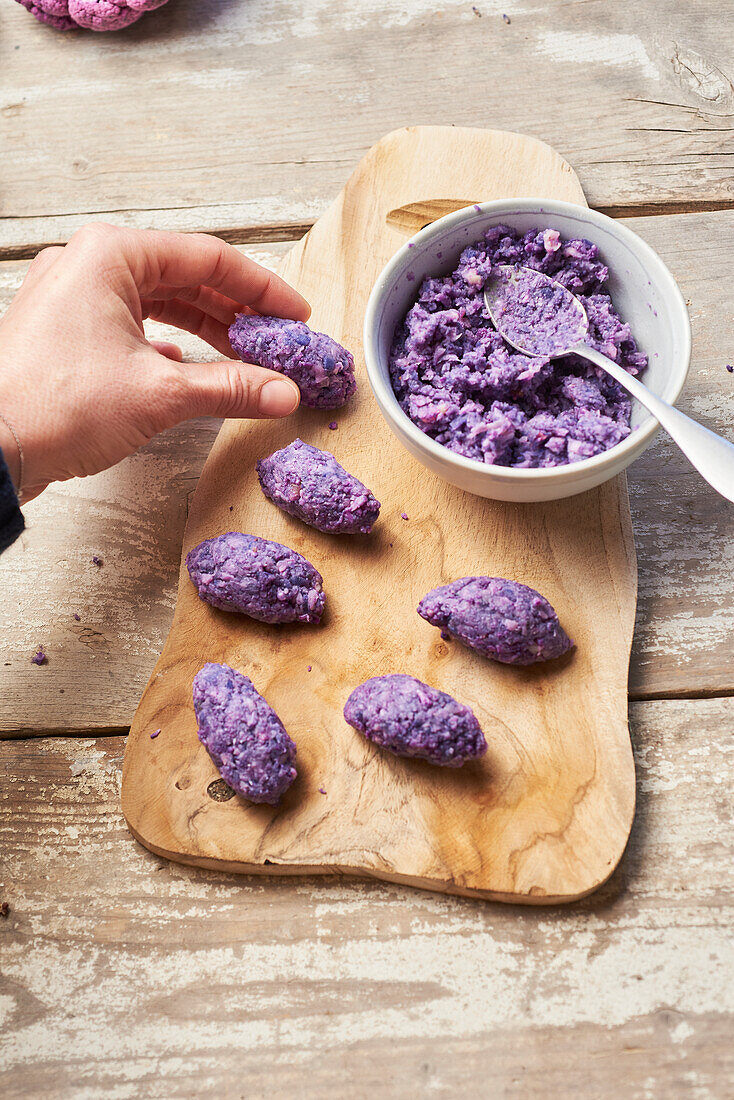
(409,718)
(322,369)
(243,735)
(501,619)
(256,577)
(312,486)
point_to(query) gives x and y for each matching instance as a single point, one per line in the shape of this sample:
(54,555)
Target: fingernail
(278,398)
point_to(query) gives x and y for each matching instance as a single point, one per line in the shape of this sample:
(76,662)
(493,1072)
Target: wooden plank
(254,115)
(133,517)
(127,976)
(541,823)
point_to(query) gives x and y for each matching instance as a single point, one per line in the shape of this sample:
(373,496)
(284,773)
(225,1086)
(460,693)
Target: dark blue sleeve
(11,517)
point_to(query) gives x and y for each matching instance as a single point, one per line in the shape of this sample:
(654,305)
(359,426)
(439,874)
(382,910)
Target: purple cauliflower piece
(409,718)
(503,620)
(312,486)
(256,577)
(243,735)
(322,369)
(95,15)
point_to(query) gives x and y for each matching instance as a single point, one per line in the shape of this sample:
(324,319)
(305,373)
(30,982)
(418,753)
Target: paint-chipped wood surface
(128,976)
(134,516)
(124,976)
(238,115)
(545,815)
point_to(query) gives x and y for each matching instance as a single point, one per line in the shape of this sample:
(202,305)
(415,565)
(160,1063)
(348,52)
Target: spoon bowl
(535,314)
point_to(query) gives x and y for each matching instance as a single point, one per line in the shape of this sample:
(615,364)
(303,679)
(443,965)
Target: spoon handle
(711,454)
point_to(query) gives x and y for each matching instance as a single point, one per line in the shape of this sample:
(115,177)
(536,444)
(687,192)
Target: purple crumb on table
(39,658)
(730,368)
(256,577)
(312,486)
(409,718)
(477,12)
(460,383)
(333,426)
(501,619)
(243,735)
(154,734)
(231,507)
(308,668)
(506,18)
(321,790)
(77,616)
(403,515)
(322,369)
(96,560)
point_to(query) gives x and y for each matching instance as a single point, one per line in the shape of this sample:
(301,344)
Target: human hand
(80,385)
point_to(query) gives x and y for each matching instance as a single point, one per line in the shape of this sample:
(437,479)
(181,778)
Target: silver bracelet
(21,456)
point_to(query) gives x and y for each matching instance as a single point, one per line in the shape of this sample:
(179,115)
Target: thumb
(233,389)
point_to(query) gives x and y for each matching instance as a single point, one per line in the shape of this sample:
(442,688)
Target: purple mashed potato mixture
(457,379)
(409,718)
(322,369)
(243,735)
(311,485)
(256,577)
(539,316)
(503,620)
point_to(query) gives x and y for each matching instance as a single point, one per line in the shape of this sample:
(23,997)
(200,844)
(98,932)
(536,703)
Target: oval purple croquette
(322,369)
(501,619)
(409,718)
(312,486)
(243,735)
(256,577)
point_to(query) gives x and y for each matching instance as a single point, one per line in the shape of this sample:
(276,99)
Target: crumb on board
(477,12)
(77,616)
(321,790)
(730,368)
(39,658)
(96,560)
(4,910)
(506,18)
(154,734)
(308,669)
(333,426)
(403,515)
(231,507)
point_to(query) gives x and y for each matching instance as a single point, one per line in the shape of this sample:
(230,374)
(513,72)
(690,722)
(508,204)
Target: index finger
(197,259)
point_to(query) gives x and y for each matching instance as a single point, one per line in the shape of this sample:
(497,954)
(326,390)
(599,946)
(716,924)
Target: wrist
(12,450)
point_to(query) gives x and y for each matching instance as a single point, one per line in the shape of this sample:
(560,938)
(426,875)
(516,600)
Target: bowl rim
(618,456)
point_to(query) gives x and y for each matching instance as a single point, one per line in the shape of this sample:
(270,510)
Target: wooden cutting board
(545,816)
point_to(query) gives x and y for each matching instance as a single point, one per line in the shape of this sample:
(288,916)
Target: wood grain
(254,112)
(124,975)
(134,517)
(546,814)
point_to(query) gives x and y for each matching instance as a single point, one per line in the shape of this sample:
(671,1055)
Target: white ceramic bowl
(642,289)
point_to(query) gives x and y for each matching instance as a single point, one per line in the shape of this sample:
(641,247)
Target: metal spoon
(551,321)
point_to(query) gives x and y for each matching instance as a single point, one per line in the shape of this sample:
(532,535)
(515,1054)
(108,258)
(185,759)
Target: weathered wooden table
(125,976)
